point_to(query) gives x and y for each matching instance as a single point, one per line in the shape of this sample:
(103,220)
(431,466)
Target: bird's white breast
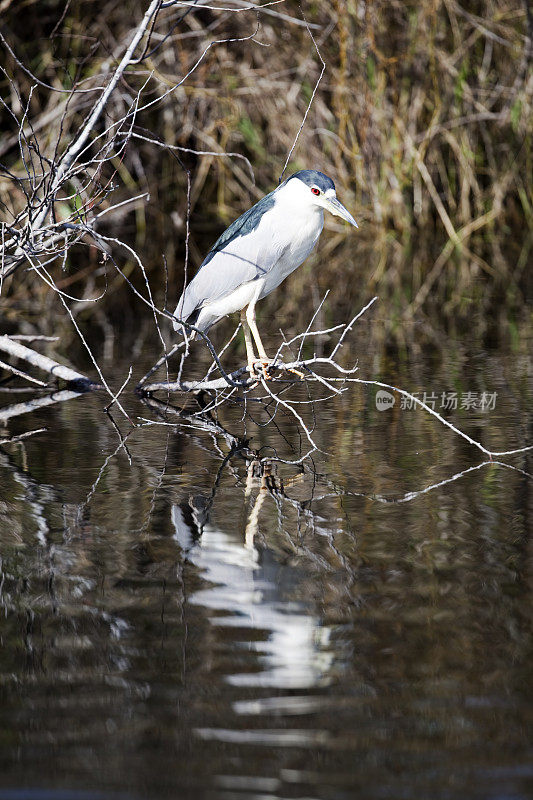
(295,232)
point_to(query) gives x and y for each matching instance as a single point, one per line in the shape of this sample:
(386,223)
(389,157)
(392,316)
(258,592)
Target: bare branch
(17,350)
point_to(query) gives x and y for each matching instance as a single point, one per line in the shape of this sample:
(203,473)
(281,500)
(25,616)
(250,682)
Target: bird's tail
(179,318)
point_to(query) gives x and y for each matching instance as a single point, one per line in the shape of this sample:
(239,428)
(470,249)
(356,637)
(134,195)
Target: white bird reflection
(255,591)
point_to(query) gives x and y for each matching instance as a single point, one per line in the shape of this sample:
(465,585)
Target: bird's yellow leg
(248,320)
(250,317)
(264,360)
(250,355)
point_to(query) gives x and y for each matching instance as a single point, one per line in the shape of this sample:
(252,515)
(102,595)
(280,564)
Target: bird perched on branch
(256,253)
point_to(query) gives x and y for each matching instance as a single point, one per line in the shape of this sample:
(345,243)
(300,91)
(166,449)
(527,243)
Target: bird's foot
(296,372)
(260,367)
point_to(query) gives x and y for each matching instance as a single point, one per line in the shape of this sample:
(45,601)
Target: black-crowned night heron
(256,253)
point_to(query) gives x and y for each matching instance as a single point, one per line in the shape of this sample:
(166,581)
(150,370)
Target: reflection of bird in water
(190,518)
(200,508)
(247,587)
(263,475)
(256,253)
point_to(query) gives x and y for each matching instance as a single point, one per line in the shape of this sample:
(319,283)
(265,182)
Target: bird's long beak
(332,205)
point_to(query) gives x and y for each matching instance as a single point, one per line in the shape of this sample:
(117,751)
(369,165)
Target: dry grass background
(423,118)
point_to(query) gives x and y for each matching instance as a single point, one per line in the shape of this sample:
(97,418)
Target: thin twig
(307,110)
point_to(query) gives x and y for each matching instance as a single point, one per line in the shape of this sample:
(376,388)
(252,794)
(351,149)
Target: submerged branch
(22,436)
(36,403)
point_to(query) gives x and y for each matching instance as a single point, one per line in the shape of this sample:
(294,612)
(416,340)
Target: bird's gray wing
(242,226)
(246,250)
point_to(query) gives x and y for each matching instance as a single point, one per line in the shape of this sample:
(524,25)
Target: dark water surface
(179,622)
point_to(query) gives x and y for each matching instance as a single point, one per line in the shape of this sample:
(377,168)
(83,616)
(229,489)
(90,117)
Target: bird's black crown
(312,177)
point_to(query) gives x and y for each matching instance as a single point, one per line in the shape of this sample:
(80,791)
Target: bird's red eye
(315,190)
